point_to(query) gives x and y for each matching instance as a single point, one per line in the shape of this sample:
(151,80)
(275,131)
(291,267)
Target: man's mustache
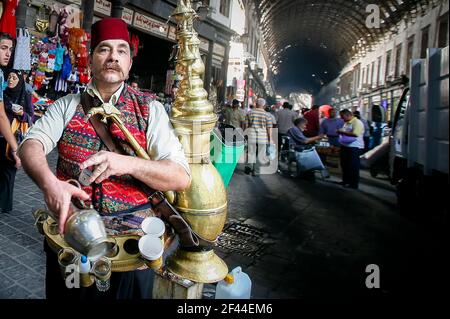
(113,66)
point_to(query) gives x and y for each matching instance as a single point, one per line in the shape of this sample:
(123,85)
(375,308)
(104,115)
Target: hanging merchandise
(73,77)
(51,61)
(73,17)
(59,57)
(42,21)
(76,38)
(135,44)
(61,84)
(39,78)
(53,22)
(66,67)
(22,56)
(8,19)
(62,26)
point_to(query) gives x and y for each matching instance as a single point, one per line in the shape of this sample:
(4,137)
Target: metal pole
(88,14)
(21,14)
(117,8)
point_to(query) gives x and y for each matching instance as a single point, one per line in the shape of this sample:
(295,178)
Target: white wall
(217,16)
(391,41)
(237,22)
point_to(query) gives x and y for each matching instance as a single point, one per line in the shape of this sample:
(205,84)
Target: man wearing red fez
(116,182)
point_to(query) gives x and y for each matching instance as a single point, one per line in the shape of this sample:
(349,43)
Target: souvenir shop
(52,48)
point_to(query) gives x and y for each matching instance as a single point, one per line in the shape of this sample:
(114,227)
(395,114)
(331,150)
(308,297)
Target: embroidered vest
(117,197)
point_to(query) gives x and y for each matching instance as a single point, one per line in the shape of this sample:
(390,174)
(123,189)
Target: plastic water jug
(236,285)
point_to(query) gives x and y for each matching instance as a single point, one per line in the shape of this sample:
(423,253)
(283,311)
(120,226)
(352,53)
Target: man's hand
(58,196)
(19,113)
(17,160)
(106,164)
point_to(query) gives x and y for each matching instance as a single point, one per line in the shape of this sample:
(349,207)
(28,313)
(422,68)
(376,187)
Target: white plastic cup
(154,226)
(151,248)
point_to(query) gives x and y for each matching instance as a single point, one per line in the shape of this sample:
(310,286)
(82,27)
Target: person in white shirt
(285,119)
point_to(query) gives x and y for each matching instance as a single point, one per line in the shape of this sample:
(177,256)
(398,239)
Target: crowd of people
(345,130)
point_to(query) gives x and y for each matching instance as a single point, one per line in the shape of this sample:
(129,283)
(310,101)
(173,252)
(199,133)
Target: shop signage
(204,44)
(219,49)
(149,24)
(240,90)
(39,3)
(127,15)
(103,7)
(172,33)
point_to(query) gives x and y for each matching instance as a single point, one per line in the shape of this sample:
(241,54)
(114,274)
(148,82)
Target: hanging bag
(309,160)
(22,53)
(346,140)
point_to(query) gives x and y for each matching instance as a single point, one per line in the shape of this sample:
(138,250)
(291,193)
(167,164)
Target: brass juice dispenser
(204,204)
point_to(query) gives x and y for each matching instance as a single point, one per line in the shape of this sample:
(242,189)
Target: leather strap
(162,207)
(188,238)
(99,127)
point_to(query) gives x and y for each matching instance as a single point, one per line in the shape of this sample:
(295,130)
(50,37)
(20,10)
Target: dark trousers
(123,285)
(280,140)
(350,165)
(366,143)
(7,177)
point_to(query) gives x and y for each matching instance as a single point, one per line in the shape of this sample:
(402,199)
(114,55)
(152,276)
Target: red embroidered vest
(115,194)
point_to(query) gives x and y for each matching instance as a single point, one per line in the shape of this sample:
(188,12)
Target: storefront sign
(219,49)
(204,44)
(240,90)
(149,24)
(103,7)
(39,3)
(172,35)
(217,61)
(127,15)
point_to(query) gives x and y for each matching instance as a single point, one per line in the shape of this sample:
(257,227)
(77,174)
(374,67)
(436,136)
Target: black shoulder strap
(99,127)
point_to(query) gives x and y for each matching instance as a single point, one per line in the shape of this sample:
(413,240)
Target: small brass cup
(67,258)
(102,272)
(53,228)
(40,217)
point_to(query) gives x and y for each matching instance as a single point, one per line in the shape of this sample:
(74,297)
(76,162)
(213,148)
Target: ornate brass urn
(204,203)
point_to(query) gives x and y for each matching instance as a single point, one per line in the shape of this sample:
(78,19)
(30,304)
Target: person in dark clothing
(313,124)
(18,107)
(298,139)
(300,143)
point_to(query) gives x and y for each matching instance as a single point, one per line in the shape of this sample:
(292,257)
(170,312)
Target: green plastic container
(225,155)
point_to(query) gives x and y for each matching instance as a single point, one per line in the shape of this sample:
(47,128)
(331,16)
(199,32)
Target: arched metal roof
(334,30)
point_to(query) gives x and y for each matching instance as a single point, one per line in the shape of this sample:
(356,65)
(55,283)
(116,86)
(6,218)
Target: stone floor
(316,240)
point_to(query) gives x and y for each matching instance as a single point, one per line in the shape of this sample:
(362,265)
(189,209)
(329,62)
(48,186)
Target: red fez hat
(109,29)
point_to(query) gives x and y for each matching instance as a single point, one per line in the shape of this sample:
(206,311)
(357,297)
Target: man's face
(13,80)
(332,114)
(111,61)
(6,47)
(174,92)
(346,117)
(134,85)
(302,126)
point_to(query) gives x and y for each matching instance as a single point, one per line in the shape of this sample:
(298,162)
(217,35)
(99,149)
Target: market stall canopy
(319,37)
